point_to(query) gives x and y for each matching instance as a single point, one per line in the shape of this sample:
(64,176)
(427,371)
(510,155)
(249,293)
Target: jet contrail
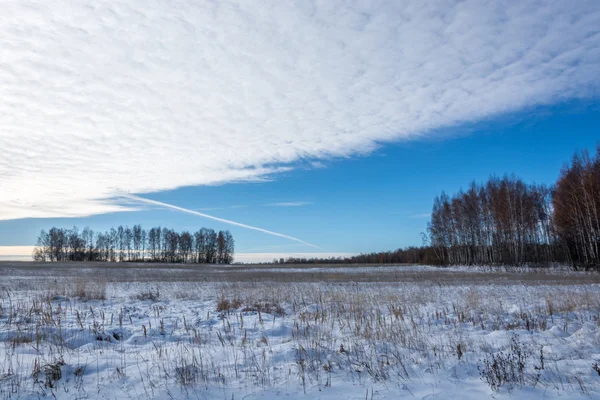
(185,210)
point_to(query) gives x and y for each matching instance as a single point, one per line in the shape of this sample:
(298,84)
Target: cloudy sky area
(276,114)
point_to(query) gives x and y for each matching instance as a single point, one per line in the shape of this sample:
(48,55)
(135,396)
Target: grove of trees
(506,221)
(135,244)
(503,221)
(576,204)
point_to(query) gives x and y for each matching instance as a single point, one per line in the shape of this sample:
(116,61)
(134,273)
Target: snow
(178,339)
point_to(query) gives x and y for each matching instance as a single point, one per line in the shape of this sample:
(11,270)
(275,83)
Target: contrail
(185,210)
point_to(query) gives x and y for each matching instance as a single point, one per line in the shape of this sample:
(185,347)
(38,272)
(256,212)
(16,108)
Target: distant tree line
(506,221)
(408,255)
(135,244)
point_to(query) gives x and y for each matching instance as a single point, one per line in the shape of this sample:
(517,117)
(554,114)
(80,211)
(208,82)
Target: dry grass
(227,333)
(80,288)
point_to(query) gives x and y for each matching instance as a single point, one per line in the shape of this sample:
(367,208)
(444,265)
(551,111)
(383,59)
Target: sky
(303,127)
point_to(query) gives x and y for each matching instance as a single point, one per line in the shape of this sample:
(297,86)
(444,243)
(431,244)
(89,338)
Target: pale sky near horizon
(297,123)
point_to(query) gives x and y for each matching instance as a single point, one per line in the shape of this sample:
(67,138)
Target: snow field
(70,339)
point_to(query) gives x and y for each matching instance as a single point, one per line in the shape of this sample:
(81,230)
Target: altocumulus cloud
(102,97)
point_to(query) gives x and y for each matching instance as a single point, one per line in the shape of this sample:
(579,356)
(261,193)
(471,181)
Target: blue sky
(368,203)
(358,113)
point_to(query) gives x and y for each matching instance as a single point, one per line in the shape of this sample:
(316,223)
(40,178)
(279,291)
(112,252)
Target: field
(114,331)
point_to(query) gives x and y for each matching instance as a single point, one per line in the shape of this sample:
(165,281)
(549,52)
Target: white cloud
(317,164)
(290,204)
(137,96)
(16,252)
(426,215)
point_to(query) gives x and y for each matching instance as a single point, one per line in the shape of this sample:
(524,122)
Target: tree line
(408,255)
(506,221)
(136,244)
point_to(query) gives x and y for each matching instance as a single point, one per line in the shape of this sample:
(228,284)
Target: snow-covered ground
(521,337)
